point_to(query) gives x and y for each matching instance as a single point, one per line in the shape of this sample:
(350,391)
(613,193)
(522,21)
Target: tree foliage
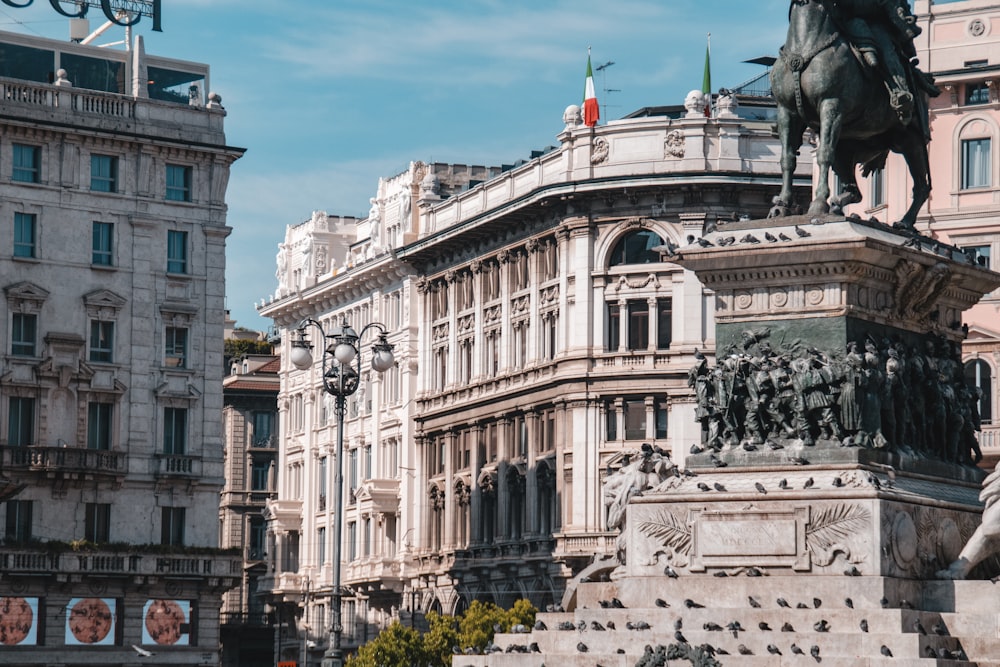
(237,347)
(398,645)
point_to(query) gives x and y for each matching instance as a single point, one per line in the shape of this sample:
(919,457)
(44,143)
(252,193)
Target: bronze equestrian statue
(847,70)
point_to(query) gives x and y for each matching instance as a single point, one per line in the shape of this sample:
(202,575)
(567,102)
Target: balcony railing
(989,439)
(26,560)
(178,465)
(252,618)
(63,459)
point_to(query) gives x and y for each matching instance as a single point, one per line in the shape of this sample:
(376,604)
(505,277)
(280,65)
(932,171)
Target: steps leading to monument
(956,616)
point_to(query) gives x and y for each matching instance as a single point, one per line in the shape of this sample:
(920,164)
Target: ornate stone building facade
(959,44)
(541,334)
(114,223)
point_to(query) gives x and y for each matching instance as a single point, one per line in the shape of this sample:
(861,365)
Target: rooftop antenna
(603,69)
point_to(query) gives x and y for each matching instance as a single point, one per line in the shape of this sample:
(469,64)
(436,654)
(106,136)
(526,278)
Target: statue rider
(883,31)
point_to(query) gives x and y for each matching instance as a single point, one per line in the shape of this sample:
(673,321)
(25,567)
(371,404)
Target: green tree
(394,646)
(441,636)
(476,627)
(522,613)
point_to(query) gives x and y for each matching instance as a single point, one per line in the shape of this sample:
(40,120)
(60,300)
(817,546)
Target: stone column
(450,501)
(531,480)
(476,495)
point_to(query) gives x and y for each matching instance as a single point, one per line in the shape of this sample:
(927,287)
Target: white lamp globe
(382,360)
(345,353)
(301,357)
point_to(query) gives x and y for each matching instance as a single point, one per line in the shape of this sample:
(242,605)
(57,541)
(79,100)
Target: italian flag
(591,112)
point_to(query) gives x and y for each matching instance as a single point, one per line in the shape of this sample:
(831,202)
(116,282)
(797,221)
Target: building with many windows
(541,336)
(960,46)
(114,168)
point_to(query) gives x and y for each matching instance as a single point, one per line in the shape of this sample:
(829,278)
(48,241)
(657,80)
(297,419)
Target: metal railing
(65,459)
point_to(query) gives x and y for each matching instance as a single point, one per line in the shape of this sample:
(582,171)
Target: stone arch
(975,126)
(617,235)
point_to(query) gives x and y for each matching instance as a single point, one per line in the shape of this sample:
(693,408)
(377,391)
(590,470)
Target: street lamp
(341,377)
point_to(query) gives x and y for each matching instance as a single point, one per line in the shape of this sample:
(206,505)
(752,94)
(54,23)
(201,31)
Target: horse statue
(820,81)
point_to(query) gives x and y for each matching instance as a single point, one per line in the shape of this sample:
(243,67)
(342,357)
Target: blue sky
(328,95)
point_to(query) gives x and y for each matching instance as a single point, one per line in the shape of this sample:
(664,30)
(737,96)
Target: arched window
(978,375)
(636,248)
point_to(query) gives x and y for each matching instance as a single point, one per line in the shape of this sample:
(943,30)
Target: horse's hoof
(778,211)
(905,225)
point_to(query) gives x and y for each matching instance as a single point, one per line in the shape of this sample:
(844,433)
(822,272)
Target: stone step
(605,660)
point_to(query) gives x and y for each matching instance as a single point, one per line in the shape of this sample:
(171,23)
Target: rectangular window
(97,523)
(174,431)
(27,160)
(258,538)
(23,332)
(352,469)
(613,336)
(99,426)
(103,173)
(20,421)
(320,545)
(172,526)
(176,348)
(102,341)
(352,541)
(610,422)
(977,93)
(661,419)
(366,547)
(103,240)
(638,325)
(635,420)
(263,428)
(975,163)
(177,252)
(178,182)
(664,323)
(18,520)
(877,180)
(980,254)
(25,234)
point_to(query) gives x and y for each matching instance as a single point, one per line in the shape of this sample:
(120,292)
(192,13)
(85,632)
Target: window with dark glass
(20,421)
(94,73)
(28,63)
(636,248)
(260,473)
(25,234)
(175,431)
(103,244)
(18,527)
(97,522)
(613,336)
(99,426)
(258,538)
(981,253)
(103,173)
(172,526)
(178,182)
(102,340)
(877,180)
(979,376)
(263,428)
(177,252)
(664,323)
(176,347)
(977,93)
(610,421)
(23,334)
(635,419)
(661,419)
(638,324)
(27,163)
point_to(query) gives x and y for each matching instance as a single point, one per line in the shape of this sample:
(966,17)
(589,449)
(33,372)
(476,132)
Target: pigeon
(670,572)
(782,602)
(787,627)
(455,650)
(821,626)
(719,487)
(919,627)
(939,629)
(801,233)
(743,650)
(594,625)
(668,249)
(753,602)
(808,484)
(142,652)
(704,487)
(720,573)
(678,624)
(760,488)
(771,238)
(679,636)
(884,602)
(662,603)
(905,604)
(581,647)
(749,447)
(801,605)
(783,484)
(875,482)
(617,604)
(837,482)
(775,445)
(611,625)
(736,628)
(750,238)
(784,237)
(641,625)
(582,625)
(540,625)
(691,604)
(799,461)
(497,628)
(814,652)
(852,571)
(719,650)
(705,243)
(605,604)
(717,462)
(885,651)
(796,650)
(533,647)
(754,572)
(727,241)
(863,625)
(764,626)
(817,603)
(712,627)
(773,650)
(849,603)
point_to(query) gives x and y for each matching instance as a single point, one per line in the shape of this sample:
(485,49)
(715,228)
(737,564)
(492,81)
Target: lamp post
(341,377)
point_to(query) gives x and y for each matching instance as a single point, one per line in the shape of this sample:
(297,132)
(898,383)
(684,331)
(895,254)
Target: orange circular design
(90,620)
(16,619)
(164,620)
